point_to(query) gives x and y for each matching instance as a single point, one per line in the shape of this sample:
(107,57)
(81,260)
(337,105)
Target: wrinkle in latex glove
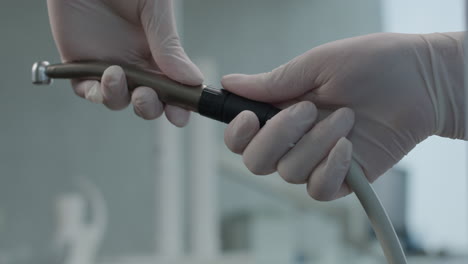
(446,64)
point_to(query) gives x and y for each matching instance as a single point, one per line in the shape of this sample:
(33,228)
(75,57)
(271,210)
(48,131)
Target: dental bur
(224,106)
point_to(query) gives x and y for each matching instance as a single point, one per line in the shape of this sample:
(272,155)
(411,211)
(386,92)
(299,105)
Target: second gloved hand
(137,32)
(388,93)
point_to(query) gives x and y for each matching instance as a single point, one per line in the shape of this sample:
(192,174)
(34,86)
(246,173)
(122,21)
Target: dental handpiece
(224,106)
(217,104)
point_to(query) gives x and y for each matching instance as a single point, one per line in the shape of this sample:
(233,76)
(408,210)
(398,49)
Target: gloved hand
(137,32)
(401,89)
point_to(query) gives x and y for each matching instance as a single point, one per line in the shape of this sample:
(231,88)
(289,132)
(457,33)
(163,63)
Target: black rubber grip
(224,106)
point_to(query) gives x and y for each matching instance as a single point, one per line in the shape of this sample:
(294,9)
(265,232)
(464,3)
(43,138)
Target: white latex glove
(401,88)
(137,32)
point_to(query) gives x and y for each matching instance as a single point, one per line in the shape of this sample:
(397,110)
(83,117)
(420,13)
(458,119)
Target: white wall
(438,197)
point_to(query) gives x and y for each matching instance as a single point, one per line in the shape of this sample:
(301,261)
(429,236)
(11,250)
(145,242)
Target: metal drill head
(39,75)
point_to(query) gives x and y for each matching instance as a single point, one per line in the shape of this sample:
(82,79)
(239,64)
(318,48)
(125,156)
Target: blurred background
(82,184)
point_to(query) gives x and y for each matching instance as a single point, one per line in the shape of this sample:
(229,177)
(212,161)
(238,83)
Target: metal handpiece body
(217,104)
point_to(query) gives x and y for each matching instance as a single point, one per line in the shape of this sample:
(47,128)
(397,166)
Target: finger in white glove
(276,138)
(146,103)
(112,91)
(298,164)
(326,181)
(160,28)
(90,90)
(240,131)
